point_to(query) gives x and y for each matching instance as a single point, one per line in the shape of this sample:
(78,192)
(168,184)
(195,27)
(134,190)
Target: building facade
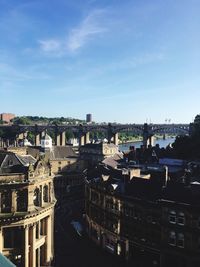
(26,210)
(144,220)
(94,153)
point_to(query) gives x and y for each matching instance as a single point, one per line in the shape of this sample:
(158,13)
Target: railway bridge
(11,134)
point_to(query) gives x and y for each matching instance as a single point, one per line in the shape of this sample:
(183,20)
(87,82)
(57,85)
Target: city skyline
(129,62)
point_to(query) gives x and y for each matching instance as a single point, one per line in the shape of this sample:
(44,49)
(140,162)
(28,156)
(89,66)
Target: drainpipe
(166,174)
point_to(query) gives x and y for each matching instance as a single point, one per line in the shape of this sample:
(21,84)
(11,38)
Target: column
(14,201)
(38,257)
(49,244)
(32,255)
(115,137)
(63,139)
(26,246)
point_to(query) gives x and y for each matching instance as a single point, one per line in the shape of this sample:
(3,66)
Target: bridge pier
(87,138)
(60,139)
(81,140)
(145,135)
(150,140)
(37,139)
(116,139)
(84,138)
(63,138)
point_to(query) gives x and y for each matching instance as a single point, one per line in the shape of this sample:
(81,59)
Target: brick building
(7,117)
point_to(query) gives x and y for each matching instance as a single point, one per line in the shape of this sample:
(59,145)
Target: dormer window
(10,162)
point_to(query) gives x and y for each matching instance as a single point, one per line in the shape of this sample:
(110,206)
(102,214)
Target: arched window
(36,197)
(46,193)
(6,200)
(22,200)
(181,218)
(181,240)
(172,238)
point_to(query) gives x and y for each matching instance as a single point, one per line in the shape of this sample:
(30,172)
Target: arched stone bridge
(83,130)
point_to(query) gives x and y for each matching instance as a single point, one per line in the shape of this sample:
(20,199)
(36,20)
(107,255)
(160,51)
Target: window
(172,238)
(45,193)
(10,162)
(6,202)
(22,200)
(37,232)
(36,197)
(180,241)
(181,218)
(13,237)
(172,217)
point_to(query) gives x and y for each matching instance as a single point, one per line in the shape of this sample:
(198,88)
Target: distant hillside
(27,120)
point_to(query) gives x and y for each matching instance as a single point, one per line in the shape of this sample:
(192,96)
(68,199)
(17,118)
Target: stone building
(26,210)
(151,221)
(66,166)
(94,153)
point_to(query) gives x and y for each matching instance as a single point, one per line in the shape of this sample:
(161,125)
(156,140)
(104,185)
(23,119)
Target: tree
(22,120)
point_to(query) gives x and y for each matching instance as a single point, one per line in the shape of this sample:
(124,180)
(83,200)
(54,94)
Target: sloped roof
(2,157)
(113,161)
(26,159)
(62,152)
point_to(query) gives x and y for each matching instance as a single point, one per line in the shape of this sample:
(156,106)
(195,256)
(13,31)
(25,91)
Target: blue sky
(130,61)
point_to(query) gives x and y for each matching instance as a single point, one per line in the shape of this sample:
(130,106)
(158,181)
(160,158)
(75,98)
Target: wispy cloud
(51,45)
(13,75)
(88,28)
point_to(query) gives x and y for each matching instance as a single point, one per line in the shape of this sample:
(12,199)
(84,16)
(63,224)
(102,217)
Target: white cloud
(89,28)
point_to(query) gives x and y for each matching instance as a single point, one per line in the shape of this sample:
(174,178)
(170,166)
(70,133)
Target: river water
(161,142)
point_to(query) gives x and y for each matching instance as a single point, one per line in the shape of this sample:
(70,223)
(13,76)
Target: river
(161,142)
